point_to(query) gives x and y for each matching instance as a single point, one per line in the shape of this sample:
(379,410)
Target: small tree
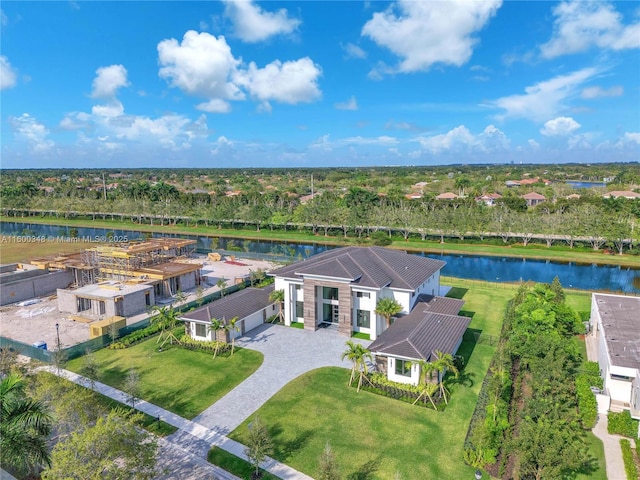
(221,284)
(277,296)
(131,387)
(232,326)
(388,307)
(215,326)
(113,331)
(259,445)
(444,362)
(328,466)
(181,297)
(358,355)
(90,368)
(167,319)
(199,295)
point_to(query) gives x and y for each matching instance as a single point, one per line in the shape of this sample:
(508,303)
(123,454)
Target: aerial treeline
(527,422)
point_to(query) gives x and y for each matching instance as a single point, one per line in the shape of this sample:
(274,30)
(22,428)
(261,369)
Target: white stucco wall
(391,373)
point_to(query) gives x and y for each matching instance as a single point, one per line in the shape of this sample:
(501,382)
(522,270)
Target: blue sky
(335,83)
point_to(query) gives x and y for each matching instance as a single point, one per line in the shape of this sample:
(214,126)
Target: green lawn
(237,466)
(597,468)
(182,381)
(372,436)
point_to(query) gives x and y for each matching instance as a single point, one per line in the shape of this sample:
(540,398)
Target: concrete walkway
(612,449)
(288,353)
(192,428)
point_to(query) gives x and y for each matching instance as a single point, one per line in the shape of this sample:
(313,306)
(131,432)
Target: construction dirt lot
(37,322)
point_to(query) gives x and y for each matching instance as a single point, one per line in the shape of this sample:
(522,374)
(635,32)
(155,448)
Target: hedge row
(191,344)
(136,337)
(629,463)
(622,424)
(380,385)
(587,404)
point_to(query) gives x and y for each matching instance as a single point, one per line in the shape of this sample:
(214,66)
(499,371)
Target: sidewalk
(212,438)
(612,450)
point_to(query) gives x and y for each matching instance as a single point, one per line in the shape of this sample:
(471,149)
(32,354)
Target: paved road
(288,353)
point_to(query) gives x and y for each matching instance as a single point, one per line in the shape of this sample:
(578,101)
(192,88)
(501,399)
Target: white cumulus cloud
(287,82)
(580,25)
(253,24)
(200,65)
(28,129)
(351,104)
(8,75)
(114,109)
(460,139)
(426,33)
(352,50)
(544,99)
(108,80)
(561,126)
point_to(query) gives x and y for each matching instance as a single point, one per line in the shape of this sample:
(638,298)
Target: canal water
(491,269)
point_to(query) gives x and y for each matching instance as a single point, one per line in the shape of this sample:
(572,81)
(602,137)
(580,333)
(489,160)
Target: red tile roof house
(622,193)
(341,288)
(447,196)
(489,199)
(534,199)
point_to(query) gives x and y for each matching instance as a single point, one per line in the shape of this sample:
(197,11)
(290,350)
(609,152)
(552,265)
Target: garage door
(253,321)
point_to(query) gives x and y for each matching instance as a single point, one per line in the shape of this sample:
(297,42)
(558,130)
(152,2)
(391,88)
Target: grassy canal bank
(556,252)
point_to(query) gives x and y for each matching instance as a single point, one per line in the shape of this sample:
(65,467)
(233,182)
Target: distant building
(622,194)
(534,199)
(489,199)
(447,196)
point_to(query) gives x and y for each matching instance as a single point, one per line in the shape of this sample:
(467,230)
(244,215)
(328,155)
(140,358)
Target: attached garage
(251,306)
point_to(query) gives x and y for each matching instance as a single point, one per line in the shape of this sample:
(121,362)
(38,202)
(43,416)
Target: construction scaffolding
(119,262)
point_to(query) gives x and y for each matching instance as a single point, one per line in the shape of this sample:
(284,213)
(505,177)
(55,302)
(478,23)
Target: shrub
(622,424)
(587,404)
(381,239)
(629,464)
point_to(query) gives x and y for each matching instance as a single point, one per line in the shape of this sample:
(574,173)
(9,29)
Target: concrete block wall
(36,286)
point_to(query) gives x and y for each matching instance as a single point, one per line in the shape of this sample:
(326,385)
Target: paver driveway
(288,353)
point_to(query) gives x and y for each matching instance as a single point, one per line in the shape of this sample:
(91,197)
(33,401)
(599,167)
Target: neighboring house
(447,196)
(615,323)
(622,194)
(573,196)
(432,325)
(107,299)
(534,199)
(413,196)
(343,286)
(251,305)
(489,199)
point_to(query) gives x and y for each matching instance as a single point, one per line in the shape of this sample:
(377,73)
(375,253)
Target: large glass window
(403,367)
(201,330)
(327,312)
(363,318)
(329,293)
(363,295)
(299,309)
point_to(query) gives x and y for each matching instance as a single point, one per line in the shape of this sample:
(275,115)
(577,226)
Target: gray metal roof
(424,330)
(374,267)
(620,317)
(241,304)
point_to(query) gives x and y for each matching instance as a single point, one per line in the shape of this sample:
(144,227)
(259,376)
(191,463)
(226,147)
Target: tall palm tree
(427,388)
(388,307)
(277,296)
(444,363)
(231,327)
(25,425)
(215,326)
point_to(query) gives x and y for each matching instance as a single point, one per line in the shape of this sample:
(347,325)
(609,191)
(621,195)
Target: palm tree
(428,389)
(443,364)
(358,355)
(388,307)
(232,326)
(25,425)
(277,296)
(221,284)
(167,319)
(215,326)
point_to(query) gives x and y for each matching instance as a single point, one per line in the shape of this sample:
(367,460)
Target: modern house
(251,306)
(615,323)
(343,286)
(433,324)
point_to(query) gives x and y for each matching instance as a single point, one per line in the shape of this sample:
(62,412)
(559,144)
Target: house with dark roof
(251,306)
(433,325)
(343,286)
(615,324)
